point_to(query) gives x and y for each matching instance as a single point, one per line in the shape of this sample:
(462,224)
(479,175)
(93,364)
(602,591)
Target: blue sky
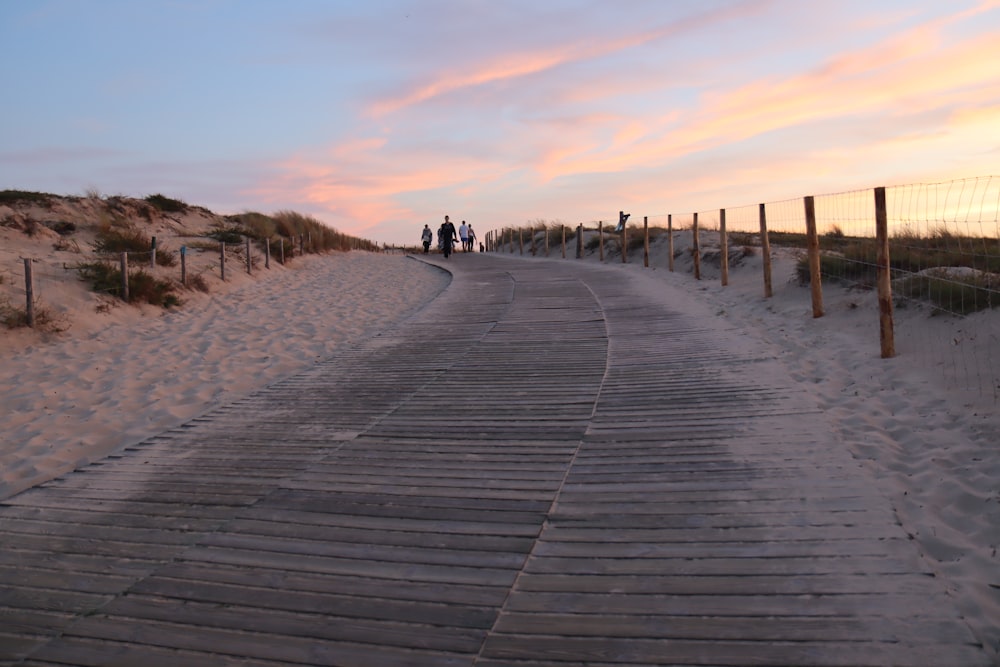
(379,116)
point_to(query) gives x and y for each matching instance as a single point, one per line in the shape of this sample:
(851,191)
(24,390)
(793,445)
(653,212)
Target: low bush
(116,238)
(106,278)
(958,293)
(23,196)
(166,204)
(227,235)
(16,318)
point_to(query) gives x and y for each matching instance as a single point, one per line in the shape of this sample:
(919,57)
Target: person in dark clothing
(447,237)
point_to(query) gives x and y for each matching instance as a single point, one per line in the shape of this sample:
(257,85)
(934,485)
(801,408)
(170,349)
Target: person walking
(447,237)
(471,239)
(426,237)
(463,233)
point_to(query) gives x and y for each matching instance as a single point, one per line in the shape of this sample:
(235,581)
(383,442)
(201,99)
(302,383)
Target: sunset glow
(377,118)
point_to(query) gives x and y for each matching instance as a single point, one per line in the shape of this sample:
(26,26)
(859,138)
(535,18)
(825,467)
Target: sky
(378,117)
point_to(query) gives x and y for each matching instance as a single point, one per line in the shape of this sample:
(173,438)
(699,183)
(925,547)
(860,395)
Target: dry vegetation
(95,231)
(952,273)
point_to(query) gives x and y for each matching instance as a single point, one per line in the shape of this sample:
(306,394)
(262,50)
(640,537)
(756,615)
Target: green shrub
(16,318)
(106,278)
(960,294)
(227,235)
(166,204)
(23,196)
(256,225)
(122,237)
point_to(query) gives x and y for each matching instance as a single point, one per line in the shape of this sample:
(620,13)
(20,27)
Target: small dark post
(222,259)
(600,236)
(248,256)
(645,241)
(815,269)
(670,241)
(267,253)
(281,252)
(520,240)
(184,278)
(152,254)
(765,248)
(29,293)
(579,241)
(623,218)
(696,248)
(563,228)
(724,247)
(887,337)
(123,262)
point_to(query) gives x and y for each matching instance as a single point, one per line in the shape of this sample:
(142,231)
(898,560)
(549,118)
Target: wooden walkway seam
(550,464)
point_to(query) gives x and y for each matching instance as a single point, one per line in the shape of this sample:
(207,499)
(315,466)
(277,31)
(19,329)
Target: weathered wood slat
(548,465)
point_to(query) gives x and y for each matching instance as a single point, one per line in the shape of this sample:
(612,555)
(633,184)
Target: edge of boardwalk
(522,474)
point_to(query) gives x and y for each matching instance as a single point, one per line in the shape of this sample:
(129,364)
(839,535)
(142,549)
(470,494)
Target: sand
(925,422)
(120,373)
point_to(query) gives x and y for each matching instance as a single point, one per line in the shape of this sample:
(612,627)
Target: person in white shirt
(463,233)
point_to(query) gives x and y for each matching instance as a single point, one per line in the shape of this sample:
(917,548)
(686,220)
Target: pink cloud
(519,65)
(904,75)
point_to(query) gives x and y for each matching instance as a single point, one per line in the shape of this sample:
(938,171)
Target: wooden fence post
(546,230)
(267,253)
(579,241)
(281,252)
(812,247)
(765,248)
(886,326)
(624,242)
(520,240)
(222,259)
(645,241)
(563,228)
(531,230)
(29,293)
(184,275)
(723,247)
(600,236)
(152,253)
(696,248)
(670,242)
(249,263)
(123,266)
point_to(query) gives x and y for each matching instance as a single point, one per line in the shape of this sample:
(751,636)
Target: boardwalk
(549,465)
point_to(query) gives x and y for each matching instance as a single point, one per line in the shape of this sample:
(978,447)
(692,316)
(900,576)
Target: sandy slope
(925,422)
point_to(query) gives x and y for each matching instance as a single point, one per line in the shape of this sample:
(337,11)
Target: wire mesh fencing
(932,249)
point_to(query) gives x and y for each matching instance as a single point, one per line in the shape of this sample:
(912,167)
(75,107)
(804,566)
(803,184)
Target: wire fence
(935,248)
(149,276)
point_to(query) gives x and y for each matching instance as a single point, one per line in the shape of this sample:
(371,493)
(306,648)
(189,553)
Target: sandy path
(76,399)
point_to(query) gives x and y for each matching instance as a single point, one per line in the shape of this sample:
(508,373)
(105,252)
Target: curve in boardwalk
(550,464)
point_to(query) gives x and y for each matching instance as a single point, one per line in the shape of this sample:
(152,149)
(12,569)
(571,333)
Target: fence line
(125,267)
(933,247)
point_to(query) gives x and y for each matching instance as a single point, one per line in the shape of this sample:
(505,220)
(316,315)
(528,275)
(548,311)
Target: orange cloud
(905,75)
(513,66)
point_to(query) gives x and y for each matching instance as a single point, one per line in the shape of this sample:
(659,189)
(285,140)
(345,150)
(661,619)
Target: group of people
(447,235)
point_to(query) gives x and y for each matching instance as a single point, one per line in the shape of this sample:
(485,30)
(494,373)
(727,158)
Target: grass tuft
(106,278)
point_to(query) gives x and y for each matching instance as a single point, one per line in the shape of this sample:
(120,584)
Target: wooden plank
(579,476)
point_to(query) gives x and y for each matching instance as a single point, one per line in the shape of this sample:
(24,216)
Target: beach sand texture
(121,373)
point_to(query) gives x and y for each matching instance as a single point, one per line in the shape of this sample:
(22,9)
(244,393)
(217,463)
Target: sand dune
(123,374)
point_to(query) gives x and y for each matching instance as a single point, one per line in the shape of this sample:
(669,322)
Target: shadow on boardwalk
(543,467)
